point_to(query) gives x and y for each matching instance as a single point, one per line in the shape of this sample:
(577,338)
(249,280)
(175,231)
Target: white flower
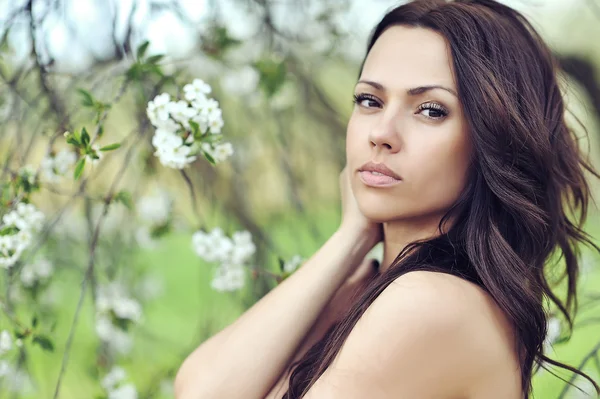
(28,276)
(37,271)
(215,122)
(127,391)
(150,287)
(222,151)
(212,247)
(99,154)
(210,109)
(113,378)
(182,113)
(28,172)
(25,217)
(170,150)
(115,338)
(166,388)
(243,247)
(5,368)
(292,264)
(15,380)
(127,308)
(177,158)
(9,251)
(22,240)
(112,297)
(27,220)
(196,90)
(9,261)
(228,278)
(284,98)
(43,268)
(164,140)
(144,239)
(231,253)
(155,208)
(158,109)
(63,161)
(54,167)
(241,82)
(553,333)
(5,342)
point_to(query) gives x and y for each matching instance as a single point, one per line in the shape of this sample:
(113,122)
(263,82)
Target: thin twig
(91,262)
(587,358)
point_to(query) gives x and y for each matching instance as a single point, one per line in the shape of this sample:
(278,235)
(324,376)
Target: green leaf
(272,74)
(195,129)
(155,58)
(209,157)
(156,69)
(85,137)
(8,230)
(87,99)
(79,168)
(111,147)
(281,264)
(44,342)
(71,140)
(21,334)
(141,50)
(133,73)
(159,231)
(124,197)
(34,321)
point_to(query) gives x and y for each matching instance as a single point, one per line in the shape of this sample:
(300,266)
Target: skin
(425,326)
(429,151)
(436,327)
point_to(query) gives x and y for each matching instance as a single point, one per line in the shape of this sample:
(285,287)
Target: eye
(436,111)
(366,100)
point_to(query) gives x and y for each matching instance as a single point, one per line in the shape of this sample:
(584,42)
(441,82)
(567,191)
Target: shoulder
(423,327)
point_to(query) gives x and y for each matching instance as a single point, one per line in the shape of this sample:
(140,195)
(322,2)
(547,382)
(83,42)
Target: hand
(352,218)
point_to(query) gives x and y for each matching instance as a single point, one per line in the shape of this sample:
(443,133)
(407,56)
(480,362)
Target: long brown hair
(526,199)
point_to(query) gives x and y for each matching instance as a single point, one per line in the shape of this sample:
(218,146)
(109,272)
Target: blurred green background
(283,73)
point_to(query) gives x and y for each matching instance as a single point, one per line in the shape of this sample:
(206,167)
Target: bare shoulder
(424,327)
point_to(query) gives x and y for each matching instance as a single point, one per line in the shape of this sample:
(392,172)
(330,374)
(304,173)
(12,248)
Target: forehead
(409,56)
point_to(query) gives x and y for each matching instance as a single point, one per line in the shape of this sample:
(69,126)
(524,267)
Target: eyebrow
(414,91)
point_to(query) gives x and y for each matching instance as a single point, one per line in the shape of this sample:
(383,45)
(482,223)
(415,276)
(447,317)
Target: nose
(385,134)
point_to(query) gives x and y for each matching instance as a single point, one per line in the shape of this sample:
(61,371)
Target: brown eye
(366,101)
(435,111)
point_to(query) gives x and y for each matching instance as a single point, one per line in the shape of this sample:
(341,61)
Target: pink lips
(378,175)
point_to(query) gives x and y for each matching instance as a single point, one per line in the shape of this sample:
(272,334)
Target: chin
(380,213)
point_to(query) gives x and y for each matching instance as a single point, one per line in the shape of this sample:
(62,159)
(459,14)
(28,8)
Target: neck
(399,233)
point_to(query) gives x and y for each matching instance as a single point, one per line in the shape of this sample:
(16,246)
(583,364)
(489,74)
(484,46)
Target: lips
(378,175)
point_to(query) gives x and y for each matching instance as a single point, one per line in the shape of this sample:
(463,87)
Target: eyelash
(358,98)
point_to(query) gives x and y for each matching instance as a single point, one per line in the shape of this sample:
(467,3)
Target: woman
(459,159)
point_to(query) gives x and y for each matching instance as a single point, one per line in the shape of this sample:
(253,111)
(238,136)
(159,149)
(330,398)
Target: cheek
(355,142)
(441,172)
(435,174)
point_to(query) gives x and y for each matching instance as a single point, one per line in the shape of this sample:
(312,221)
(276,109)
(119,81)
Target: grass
(188,311)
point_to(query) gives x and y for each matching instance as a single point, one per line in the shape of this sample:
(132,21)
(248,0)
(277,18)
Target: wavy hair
(520,217)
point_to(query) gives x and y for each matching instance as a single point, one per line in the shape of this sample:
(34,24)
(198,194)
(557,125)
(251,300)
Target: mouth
(378,175)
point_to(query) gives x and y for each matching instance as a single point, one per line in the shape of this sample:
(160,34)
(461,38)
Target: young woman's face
(420,134)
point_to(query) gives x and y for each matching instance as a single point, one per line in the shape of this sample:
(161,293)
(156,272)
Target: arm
(333,312)
(245,359)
